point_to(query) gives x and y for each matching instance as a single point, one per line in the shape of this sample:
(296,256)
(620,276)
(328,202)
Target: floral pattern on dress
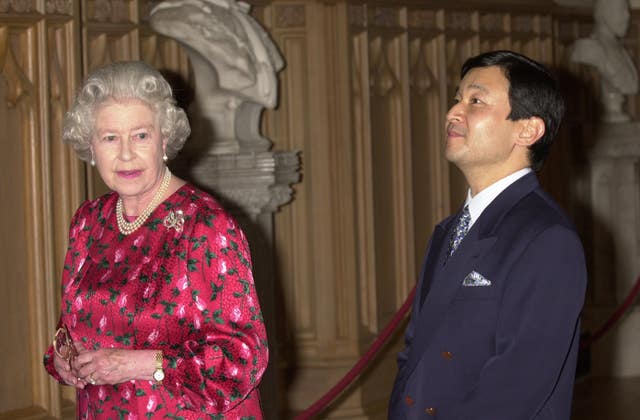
(188,292)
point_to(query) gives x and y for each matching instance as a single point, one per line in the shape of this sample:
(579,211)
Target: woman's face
(128,148)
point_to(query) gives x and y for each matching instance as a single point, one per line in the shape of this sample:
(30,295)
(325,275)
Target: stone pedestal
(255,183)
(615,253)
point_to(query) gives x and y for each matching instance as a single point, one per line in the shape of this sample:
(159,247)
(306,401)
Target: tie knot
(461,229)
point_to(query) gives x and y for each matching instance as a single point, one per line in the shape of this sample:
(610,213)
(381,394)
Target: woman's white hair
(121,81)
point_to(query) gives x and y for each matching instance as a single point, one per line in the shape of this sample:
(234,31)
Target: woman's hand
(113,366)
(64,369)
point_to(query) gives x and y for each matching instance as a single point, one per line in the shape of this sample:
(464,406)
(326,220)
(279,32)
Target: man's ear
(530,131)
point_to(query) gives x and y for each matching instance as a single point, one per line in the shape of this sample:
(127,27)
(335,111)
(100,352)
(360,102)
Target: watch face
(158,375)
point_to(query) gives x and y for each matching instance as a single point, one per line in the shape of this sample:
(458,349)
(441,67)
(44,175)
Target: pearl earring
(93,162)
(164,157)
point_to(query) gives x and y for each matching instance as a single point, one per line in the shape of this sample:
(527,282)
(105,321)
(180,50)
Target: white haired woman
(159,315)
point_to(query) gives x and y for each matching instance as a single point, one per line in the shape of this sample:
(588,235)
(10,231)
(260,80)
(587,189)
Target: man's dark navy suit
(504,351)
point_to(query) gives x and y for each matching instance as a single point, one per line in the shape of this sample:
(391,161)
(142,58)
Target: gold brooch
(174,220)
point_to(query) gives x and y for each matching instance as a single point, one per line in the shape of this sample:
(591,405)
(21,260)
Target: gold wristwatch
(158,374)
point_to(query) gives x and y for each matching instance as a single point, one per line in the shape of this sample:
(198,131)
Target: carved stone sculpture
(604,50)
(235,65)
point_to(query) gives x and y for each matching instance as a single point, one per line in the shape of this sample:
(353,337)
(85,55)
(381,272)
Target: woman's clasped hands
(79,367)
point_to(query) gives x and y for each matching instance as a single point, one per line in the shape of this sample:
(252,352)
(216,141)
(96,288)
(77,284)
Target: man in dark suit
(494,329)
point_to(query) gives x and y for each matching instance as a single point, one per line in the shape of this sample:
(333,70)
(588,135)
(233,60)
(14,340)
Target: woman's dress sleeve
(223,351)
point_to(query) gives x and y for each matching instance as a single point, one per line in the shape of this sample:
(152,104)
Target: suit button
(447,355)
(408,400)
(430,411)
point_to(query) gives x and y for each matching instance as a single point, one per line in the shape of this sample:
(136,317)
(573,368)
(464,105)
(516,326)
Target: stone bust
(234,64)
(604,50)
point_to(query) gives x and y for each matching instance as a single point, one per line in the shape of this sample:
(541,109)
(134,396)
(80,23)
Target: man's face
(479,135)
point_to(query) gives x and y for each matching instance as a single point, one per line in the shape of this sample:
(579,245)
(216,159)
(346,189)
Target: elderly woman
(159,314)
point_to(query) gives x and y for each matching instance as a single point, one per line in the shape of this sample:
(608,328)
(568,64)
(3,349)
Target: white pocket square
(475,279)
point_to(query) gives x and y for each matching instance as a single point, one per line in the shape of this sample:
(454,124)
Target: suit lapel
(434,259)
(441,283)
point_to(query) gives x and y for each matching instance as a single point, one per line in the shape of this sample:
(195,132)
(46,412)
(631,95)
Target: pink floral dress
(188,292)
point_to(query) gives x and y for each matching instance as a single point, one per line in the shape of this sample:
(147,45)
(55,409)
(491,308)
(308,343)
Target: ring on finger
(91,380)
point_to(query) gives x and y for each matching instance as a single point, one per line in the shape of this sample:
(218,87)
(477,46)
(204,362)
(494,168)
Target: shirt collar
(481,201)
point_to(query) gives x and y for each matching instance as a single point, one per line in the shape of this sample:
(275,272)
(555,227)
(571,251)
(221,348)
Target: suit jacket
(505,350)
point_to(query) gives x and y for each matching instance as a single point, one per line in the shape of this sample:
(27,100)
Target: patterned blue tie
(460,231)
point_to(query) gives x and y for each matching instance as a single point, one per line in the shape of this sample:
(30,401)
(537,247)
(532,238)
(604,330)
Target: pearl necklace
(127,228)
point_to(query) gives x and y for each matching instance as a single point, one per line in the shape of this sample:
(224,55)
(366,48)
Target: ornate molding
(255,182)
(455,58)
(357,15)
(523,24)
(384,16)
(492,22)
(290,16)
(421,77)
(423,19)
(19,87)
(61,7)
(17,6)
(382,77)
(458,21)
(115,11)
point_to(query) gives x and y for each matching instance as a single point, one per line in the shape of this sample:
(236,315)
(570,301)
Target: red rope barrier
(323,402)
(357,369)
(620,310)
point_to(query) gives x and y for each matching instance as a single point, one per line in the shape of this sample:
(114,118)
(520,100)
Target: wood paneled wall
(363,98)
(40,188)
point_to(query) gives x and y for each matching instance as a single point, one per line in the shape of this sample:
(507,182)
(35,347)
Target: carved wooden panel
(379,86)
(17,6)
(24,252)
(363,166)
(14,306)
(67,172)
(287,128)
(392,201)
(42,181)
(428,103)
